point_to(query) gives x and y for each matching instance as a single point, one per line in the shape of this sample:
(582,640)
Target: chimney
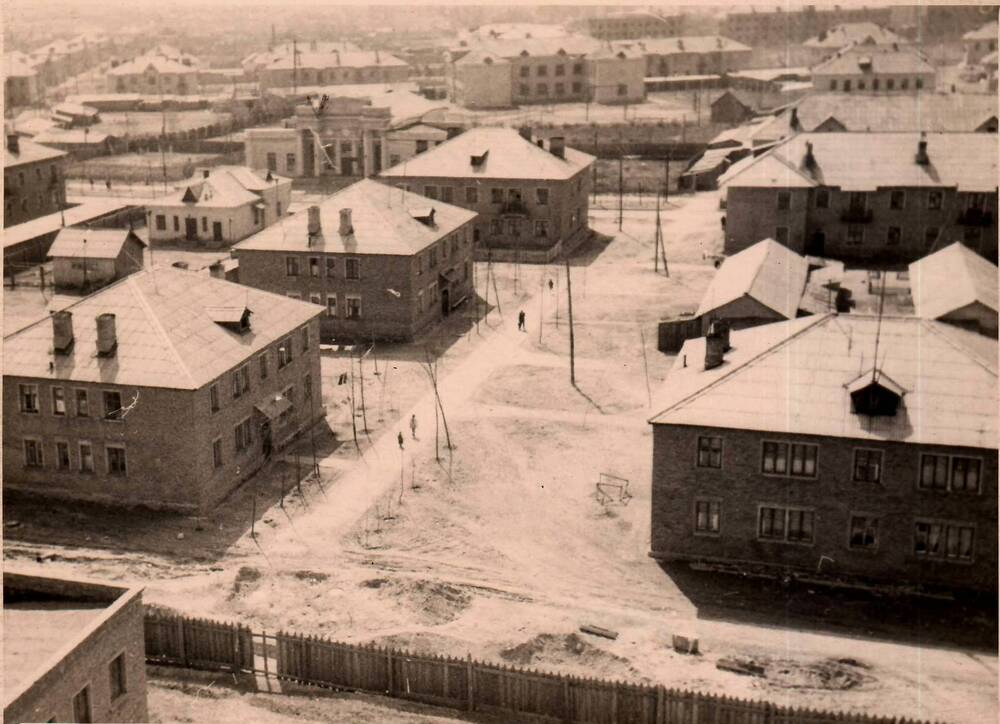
(922,158)
(12,142)
(715,347)
(810,160)
(62,332)
(205,172)
(216,270)
(720,328)
(345,223)
(315,228)
(540,143)
(557,145)
(793,119)
(107,337)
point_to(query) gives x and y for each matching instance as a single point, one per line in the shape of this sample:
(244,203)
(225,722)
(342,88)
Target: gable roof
(225,187)
(166,337)
(381,221)
(792,377)
(950,279)
(932,112)
(29,152)
(845,34)
(685,44)
(867,161)
(572,44)
(881,60)
(92,243)
(336,59)
(156,62)
(510,157)
(768,272)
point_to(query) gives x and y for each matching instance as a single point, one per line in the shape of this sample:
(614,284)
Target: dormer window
(478,159)
(235,319)
(424,214)
(875,394)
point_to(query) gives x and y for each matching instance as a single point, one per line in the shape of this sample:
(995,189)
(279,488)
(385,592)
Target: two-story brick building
(166,389)
(873,197)
(333,68)
(633,24)
(875,69)
(980,42)
(74,649)
(383,263)
(34,180)
(531,200)
(792,451)
(690,55)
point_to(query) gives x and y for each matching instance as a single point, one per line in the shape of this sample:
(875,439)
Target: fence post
(614,701)
(566,702)
(388,659)
(263,645)
(470,673)
(180,640)
(660,705)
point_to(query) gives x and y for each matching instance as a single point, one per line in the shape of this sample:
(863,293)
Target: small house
(87,259)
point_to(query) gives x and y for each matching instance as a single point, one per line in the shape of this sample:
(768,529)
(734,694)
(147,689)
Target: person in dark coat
(520,321)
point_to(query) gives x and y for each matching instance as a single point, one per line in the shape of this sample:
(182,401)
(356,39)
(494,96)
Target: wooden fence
(462,684)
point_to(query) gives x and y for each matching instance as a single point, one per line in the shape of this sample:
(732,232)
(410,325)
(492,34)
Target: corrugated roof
(34,126)
(91,243)
(950,279)
(882,61)
(791,377)
(867,161)
(380,217)
(29,152)
(773,74)
(166,337)
(768,272)
(510,157)
(845,34)
(481,57)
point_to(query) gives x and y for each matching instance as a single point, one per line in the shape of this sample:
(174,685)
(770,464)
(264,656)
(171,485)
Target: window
(847,86)
(471,195)
(213,395)
(875,84)
(496,227)
(855,234)
(523,89)
(792,525)
(950,472)
(709,452)
(863,532)
(822,198)
(346,148)
(542,70)
(217,452)
(939,539)
(433,256)
(394,159)
(833,85)
(263,365)
(352,269)
(496,196)
(784,200)
(116,459)
(33,457)
(524,71)
(28,396)
(542,229)
(578,68)
(446,194)
(86,457)
(577,87)
(243,433)
(930,235)
(284,352)
(919,82)
(161,222)
(307,386)
(542,196)
(331,305)
(291,266)
(560,70)
(861,85)
(890,83)
(513,227)
(975,202)
(353,306)
(204,223)
(331,266)
(781,234)
(542,89)
(622,89)
(290,162)
(893,235)
(420,300)
(241,380)
(81,702)
(706,516)
(897,199)
(867,466)
(314,266)
(800,463)
(62,455)
(112,405)
(289,393)
(316,298)
(431,192)
(305,337)
(904,83)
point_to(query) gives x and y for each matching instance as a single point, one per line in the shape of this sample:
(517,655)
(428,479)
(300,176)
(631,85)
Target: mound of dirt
(311,576)
(434,602)
(827,675)
(569,652)
(246,578)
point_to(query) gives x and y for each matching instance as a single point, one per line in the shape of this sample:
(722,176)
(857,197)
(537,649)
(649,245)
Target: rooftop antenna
(878,327)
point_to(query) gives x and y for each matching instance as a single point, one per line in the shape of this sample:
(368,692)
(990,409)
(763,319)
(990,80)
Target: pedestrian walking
(413,426)
(108,184)
(520,321)
(399,437)
(550,285)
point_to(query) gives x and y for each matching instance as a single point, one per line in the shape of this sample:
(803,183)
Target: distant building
(383,263)
(20,84)
(616,76)
(875,70)
(255,62)
(690,55)
(34,180)
(633,24)
(532,201)
(87,259)
(980,42)
(514,31)
(166,389)
(334,68)
(75,115)
(732,108)
(787,448)
(80,143)
(849,35)
(958,286)
(877,197)
(481,80)
(154,75)
(74,650)
(220,206)
(782,27)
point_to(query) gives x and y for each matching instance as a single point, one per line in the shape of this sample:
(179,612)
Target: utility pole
(659,248)
(621,181)
(666,177)
(593,171)
(572,346)
(541,304)
(295,67)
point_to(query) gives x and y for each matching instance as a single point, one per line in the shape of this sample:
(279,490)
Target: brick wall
(32,192)
(740,487)
(752,214)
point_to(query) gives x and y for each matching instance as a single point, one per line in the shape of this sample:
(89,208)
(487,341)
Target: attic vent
(875,394)
(235,319)
(478,159)
(865,63)
(189,197)
(423,214)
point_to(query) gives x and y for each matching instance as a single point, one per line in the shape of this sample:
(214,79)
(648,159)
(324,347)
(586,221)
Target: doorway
(445,302)
(817,243)
(191,229)
(217,231)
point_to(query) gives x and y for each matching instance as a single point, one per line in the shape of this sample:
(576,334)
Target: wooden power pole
(572,345)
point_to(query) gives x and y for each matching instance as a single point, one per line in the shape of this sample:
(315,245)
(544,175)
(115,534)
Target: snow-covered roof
(950,279)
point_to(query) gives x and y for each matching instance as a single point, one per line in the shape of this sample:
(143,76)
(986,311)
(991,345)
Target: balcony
(975,217)
(855,215)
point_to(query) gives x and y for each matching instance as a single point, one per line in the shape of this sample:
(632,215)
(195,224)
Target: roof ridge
(157,325)
(743,365)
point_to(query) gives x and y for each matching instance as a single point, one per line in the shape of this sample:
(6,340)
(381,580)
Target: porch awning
(274,407)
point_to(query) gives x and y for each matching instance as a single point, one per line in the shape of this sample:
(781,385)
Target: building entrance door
(217,230)
(191,229)
(445,302)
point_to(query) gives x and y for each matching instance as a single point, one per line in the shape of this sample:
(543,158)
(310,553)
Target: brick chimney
(720,328)
(216,270)
(205,172)
(809,161)
(715,347)
(557,146)
(540,143)
(346,229)
(315,227)
(107,336)
(922,158)
(13,145)
(62,332)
